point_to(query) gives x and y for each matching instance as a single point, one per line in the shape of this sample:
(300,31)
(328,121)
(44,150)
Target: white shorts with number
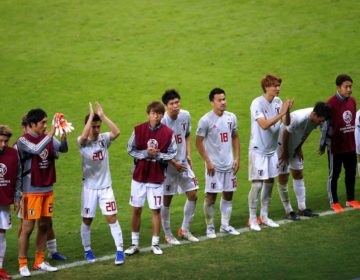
(180,182)
(295,163)
(262,167)
(5,217)
(141,191)
(90,198)
(222,181)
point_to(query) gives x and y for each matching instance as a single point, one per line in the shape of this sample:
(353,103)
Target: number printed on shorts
(234,182)
(224,137)
(98,155)
(110,206)
(157,199)
(50,208)
(178,139)
(196,182)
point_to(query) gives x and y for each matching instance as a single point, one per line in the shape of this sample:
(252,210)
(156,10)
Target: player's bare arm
(236,150)
(86,131)
(200,147)
(114,130)
(178,165)
(265,124)
(188,146)
(286,118)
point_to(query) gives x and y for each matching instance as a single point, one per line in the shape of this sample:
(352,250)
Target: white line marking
(163,246)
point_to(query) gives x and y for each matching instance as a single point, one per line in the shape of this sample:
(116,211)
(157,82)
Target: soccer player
(51,243)
(152,145)
(218,144)
(340,135)
(10,181)
(179,173)
(96,182)
(291,139)
(267,113)
(357,138)
(38,151)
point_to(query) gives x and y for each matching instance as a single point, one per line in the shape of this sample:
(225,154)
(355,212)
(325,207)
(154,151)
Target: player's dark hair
(170,94)
(156,107)
(35,116)
(342,78)
(96,118)
(270,80)
(322,110)
(5,131)
(24,121)
(214,92)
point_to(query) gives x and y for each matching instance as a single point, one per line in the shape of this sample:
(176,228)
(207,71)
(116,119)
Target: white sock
(284,196)
(226,209)
(51,246)
(117,235)
(253,198)
(135,238)
(86,236)
(266,199)
(165,220)
(209,211)
(155,240)
(2,248)
(189,210)
(299,189)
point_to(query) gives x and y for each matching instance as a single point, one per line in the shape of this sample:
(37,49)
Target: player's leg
(229,187)
(253,197)
(272,169)
(189,185)
(284,192)
(23,245)
(266,202)
(88,210)
(209,211)
(108,208)
(43,226)
(335,163)
(51,245)
(5,224)
(350,174)
(137,201)
(154,198)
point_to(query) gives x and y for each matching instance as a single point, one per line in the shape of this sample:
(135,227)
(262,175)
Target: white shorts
(141,191)
(5,217)
(295,163)
(180,182)
(90,198)
(262,167)
(222,181)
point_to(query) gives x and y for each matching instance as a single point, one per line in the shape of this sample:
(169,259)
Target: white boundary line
(148,249)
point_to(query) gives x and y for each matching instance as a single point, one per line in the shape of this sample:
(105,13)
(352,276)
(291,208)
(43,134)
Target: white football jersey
(357,132)
(299,129)
(217,132)
(264,141)
(95,162)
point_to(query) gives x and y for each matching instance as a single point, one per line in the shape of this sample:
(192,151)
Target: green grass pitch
(61,54)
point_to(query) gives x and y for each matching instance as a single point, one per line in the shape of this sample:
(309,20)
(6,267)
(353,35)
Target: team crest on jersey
(44,154)
(3,169)
(230,123)
(102,143)
(183,125)
(277,109)
(347,116)
(152,143)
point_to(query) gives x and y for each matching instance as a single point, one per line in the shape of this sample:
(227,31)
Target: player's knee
(87,221)
(43,226)
(111,219)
